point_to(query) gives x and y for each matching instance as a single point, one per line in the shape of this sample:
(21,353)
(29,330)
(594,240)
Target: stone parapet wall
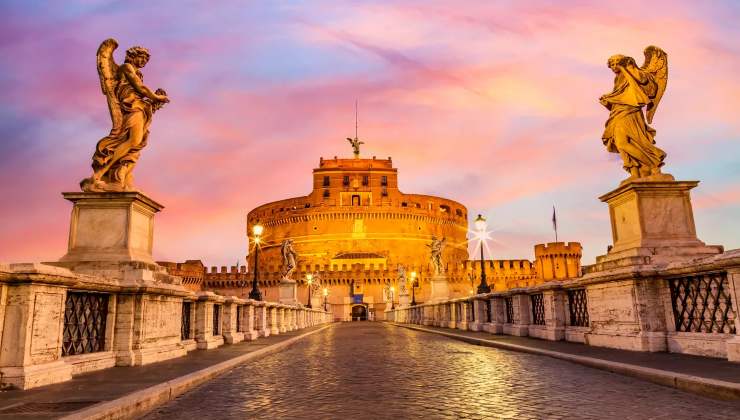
(688,306)
(56,323)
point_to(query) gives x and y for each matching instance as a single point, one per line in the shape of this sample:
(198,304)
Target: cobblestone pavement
(374,370)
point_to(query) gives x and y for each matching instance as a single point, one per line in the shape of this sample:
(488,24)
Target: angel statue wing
(656,63)
(107,71)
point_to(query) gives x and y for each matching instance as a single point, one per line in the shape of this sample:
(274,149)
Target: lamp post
(393,293)
(257,229)
(326,293)
(413,288)
(472,277)
(480,226)
(309,278)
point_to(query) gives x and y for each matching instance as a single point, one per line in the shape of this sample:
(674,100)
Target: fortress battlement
(552,248)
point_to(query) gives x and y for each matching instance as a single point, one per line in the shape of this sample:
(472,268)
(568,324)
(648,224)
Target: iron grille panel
(185,321)
(578,307)
(239,310)
(216,319)
(702,303)
(489,316)
(84,323)
(509,306)
(538,309)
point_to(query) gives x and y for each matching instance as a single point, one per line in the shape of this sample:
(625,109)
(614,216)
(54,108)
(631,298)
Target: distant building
(353,230)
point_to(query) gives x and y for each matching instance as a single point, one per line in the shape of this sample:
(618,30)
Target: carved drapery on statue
(290,258)
(131,105)
(627,131)
(436,248)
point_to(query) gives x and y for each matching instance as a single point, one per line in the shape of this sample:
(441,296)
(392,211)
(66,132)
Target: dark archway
(359,313)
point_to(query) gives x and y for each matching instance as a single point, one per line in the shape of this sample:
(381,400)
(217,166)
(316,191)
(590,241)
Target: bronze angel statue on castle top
(627,131)
(131,105)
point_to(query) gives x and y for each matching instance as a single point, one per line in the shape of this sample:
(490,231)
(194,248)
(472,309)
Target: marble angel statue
(436,248)
(290,258)
(131,105)
(632,104)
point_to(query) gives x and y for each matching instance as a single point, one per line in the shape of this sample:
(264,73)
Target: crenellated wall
(558,260)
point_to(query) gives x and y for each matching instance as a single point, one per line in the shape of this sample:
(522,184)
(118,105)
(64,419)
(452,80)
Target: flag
(554,223)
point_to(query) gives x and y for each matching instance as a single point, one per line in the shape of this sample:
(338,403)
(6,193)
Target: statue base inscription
(440,288)
(652,223)
(288,292)
(111,227)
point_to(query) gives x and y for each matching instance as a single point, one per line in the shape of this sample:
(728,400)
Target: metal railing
(185,321)
(239,311)
(578,307)
(702,303)
(84,323)
(216,319)
(509,306)
(538,309)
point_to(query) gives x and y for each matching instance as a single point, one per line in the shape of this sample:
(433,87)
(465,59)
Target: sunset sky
(493,104)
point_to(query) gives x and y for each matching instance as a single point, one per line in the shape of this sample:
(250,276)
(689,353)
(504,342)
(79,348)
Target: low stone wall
(56,323)
(688,307)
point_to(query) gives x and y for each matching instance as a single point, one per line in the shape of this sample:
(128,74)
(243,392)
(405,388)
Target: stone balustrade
(687,307)
(56,323)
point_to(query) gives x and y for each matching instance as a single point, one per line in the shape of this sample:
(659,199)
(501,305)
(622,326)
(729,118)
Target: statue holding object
(627,131)
(131,105)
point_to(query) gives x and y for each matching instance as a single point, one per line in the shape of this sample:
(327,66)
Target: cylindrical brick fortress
(356,215)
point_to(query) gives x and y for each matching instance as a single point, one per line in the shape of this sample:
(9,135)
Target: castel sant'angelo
(356,233)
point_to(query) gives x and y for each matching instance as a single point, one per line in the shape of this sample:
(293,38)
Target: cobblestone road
(373,370)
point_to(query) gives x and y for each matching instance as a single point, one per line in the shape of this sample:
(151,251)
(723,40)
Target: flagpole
(555,223)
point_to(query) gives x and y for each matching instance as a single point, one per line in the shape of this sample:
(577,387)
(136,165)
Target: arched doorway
(359,313)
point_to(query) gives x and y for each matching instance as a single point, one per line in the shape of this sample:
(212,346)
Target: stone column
(733,344)
(189,343)
(428,315)
(230,311)
(32,334)
(248,318)
(294,318)
(261,318)
(464,318)
(522,315)
(498,315)
(205,336)
(627,314)
(452,317)
(475,322)
(274,319)
(555,316)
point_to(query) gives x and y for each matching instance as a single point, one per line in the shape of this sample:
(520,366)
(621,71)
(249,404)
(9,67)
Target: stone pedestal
(652,223)
(440,289)
(114,227)
(403,300)
(288,292)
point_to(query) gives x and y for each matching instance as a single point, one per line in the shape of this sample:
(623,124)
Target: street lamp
(257,230)
(326,293)
(414,284)
(480,226)
(309,278)
(393,293)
